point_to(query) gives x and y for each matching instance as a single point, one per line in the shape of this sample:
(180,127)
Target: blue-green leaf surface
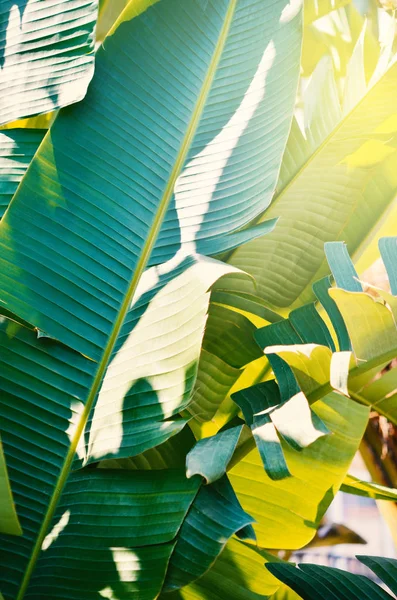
(47,391)
(214,516)
(328,583)
(17,148)
(210,457)
(195,151)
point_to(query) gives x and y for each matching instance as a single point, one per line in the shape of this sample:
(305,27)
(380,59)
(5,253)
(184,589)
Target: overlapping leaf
(287,512)
(191,126)
(46,55)
(334,584)
(364,322)
(125,525)
(211,456)
(45,387)
(214,517)
(340,189)
(238,573)
(352,485)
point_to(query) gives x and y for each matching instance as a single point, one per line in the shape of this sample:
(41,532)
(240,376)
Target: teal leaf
(310,327)
(320,288)
(281,332)
(17,148)
(388,250)
(385,568)
(192,156)
(210,457)
(314,581)
(213,518)
(341,266)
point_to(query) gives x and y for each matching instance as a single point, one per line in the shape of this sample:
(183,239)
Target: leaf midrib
(141,265)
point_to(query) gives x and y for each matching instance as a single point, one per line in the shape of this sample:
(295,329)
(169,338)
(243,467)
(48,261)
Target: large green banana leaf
(340,189)
(199,126)
(48,391)
(288,512)
(89,197)
(46,55)
(112,532)
(104,187)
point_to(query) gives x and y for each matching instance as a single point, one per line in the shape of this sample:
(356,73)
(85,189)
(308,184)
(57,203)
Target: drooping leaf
(268,418)
(288,512)
(215,515)
(210,457)
(341,266)
(270,336)
(46,55)
(353,485)
(255,402)
(320,288)
(385,568)
(310,363)
(309,325)
(310,581)
(297,423)
(238,573)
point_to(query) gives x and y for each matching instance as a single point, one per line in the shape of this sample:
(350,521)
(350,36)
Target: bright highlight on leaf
(190,354)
